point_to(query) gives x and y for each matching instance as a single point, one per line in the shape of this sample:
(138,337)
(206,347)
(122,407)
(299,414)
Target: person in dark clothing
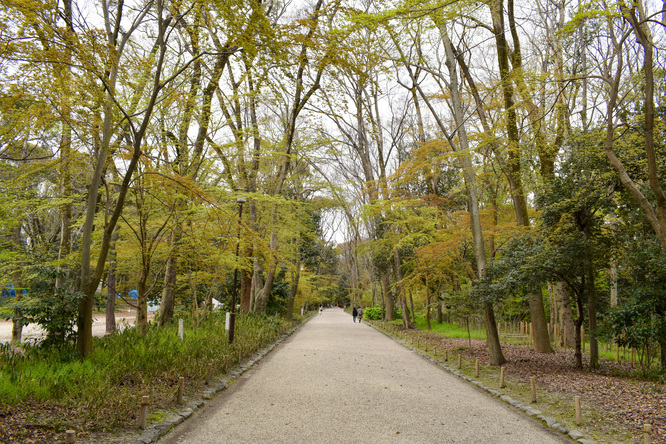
(354,313)
(359,313)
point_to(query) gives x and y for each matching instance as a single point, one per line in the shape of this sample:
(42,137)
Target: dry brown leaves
(628,402)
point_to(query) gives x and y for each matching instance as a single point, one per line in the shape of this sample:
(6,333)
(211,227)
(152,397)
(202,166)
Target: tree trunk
(492,336)
(245,290)
(539,324)
(406,322)
(579,324)
(111,293)
(561,294)
(293,290)
(167,302)
(592,317)
(17,328)
(388,297)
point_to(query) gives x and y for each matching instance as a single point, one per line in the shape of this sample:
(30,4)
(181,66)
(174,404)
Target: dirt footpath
(336,381)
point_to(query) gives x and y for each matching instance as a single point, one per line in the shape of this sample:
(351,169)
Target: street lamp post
(232,321)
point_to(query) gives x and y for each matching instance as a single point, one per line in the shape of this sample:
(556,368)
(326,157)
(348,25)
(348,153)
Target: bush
(373,313)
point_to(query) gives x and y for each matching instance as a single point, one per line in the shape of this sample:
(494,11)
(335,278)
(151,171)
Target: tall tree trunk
(561,294)
(592,317)
(111,292)
(494,348)
(293,290)
(388,297)
(539,323)
(406,322)
(579,324)
(168,300)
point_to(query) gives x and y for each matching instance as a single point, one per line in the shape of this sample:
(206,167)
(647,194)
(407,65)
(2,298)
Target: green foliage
(373,313)
(639,321)
(53,309)
(125,364)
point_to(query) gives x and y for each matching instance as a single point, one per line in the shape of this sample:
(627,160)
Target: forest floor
(617,402)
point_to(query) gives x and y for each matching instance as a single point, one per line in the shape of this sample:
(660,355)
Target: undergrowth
(106,387)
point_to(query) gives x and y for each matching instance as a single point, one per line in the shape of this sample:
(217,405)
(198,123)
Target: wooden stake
(70,437)
(582,338)
(564,335)
(533,387)
(435,351)
(618,353)
(446,355)
(579,419)
(531,334)
(502,385)
(209,372)
(633,351)
(476,368)
(181,388)
(143,412)
(459,361)
(647,433)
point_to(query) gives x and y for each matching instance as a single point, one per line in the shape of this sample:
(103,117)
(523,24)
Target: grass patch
(105,389)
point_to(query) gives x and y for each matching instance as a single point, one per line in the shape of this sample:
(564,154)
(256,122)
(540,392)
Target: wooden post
(446,355)
(582,338)
(579,419)
(647,433)
(533,387)
(143,412)
(633,350)
(618,352)
(435,351)
(459,361)
(180,329)
(476,368)
(209,372)
(564,336)
(531,334)
(502,385)
(181,388)
(70,437)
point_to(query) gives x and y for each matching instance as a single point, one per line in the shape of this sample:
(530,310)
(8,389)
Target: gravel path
(336,381)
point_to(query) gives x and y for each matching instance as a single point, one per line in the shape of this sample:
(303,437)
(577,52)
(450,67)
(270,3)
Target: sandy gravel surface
(33,331)
(335,381)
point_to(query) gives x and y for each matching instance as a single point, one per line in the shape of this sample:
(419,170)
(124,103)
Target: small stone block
(532,412)
(575,434)
(550,421)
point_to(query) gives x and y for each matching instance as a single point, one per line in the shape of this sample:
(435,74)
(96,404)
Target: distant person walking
(354,313)
(321,309)
(360,314)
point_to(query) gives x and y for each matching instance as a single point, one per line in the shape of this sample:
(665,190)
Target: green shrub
(373,313)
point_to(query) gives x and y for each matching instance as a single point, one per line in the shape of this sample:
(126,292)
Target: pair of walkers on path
(357,314)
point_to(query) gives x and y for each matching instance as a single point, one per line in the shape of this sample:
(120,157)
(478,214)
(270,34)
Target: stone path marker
(336,381)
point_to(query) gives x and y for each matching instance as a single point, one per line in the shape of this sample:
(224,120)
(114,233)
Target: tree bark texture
(561,295)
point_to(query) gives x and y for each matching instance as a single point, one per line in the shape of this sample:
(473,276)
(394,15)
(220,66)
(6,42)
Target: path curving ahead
(335,381)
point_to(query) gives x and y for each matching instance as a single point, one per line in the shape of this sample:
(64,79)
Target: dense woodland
(492,160)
